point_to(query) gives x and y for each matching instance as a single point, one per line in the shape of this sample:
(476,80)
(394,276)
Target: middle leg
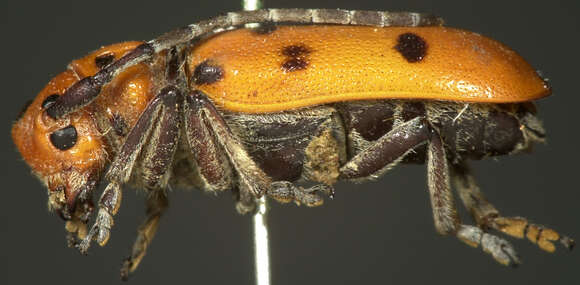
(209,135)
(156,205)
(393,147)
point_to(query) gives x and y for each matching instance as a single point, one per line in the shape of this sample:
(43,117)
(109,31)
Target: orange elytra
(299,66)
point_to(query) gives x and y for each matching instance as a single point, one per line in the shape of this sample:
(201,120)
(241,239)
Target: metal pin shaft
(261,242)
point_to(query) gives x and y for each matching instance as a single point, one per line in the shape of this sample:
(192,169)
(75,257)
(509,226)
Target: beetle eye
(64,138)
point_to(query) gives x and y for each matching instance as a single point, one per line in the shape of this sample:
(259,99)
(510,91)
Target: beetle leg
(284,191)
(501,250)
(251,180)
(445,214)
(156,205)
(158,122)
(388,150)
(213,166)
(121,168)
(486,216)
(393,147)
(156,161)
(444,211)
(109,204)
(77,227)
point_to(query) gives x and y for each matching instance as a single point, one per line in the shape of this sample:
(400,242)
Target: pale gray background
(378,232)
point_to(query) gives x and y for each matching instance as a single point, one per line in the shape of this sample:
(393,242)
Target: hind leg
(445,214)
(488,217)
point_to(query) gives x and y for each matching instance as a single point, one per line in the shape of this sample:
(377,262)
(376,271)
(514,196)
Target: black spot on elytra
(23,110)
(296,57)
(119,125)
(412,47)
(207,72)
(265,28)
(294,64)
(49,100)
(295,50)
(104,59)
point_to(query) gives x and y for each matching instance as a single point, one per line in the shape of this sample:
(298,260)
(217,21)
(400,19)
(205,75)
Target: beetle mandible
(306,96)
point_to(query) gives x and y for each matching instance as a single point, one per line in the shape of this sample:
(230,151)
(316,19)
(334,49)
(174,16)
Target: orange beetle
(306,95)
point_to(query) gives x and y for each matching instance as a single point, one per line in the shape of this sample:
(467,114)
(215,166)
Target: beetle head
(531,126)
(67,155)
(70,154)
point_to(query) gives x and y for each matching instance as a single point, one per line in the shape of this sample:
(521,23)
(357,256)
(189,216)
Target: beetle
(285,108)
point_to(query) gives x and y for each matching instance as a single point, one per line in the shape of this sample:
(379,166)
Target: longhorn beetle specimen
(306,96)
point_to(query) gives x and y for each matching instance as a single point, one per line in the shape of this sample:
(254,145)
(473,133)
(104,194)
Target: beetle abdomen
(297,66)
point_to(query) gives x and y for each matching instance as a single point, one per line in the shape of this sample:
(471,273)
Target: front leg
(154,138)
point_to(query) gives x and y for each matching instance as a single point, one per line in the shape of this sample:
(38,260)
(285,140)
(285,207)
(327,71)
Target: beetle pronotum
(307,96)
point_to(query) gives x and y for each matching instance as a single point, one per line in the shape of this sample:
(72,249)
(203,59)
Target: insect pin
(307,96)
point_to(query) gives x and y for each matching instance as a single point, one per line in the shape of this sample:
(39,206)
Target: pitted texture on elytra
(412,47)
(357,63)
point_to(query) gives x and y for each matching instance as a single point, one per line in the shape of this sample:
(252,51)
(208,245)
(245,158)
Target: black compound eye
(64,138)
